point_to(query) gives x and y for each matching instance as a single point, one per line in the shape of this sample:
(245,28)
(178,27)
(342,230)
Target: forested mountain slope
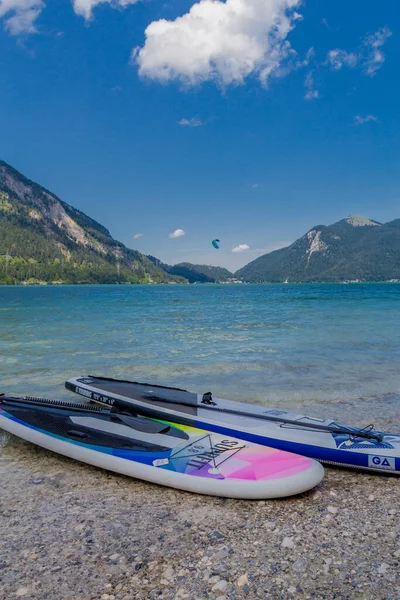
(45,239)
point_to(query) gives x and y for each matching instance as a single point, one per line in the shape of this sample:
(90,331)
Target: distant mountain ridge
(196,273)
(43,239)
(355,248)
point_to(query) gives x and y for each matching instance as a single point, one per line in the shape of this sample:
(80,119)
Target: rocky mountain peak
(360,221)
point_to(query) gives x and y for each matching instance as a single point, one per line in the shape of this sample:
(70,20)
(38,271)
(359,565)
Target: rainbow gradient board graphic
(161,452)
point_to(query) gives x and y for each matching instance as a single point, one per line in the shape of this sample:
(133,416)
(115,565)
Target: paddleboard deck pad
(324,440)
(159,451)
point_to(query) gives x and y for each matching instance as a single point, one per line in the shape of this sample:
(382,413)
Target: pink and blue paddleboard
(159,451)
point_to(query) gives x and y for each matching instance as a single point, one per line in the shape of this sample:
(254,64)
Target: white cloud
(368,56)
(84,8)
(137,236)
(241,248)
(219,41)
(311,92)
(294,63)
(21,15)
(177,233)
(255,185)
(360,120)
(373,43)
(193,122)
(340,58)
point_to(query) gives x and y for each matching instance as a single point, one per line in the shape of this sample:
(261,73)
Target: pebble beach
(73,532)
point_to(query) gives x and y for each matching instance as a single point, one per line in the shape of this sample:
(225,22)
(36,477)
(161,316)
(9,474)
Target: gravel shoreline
(73,532)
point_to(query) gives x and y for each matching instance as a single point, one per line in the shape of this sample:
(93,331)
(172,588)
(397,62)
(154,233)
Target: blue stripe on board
(355,459)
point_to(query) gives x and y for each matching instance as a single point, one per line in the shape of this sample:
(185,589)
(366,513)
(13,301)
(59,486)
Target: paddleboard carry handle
(208,399)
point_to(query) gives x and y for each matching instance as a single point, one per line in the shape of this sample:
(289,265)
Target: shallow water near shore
(331,349)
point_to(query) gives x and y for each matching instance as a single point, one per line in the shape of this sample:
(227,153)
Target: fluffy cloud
(176,234)
(137,236)
(373,43)
(369,56)
(194,122)
(241,248)
(220,41)
(84,8)
(360,120)
(20,15)
(340,58)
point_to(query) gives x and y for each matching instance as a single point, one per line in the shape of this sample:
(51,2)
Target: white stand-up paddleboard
(178,456)
(324,440)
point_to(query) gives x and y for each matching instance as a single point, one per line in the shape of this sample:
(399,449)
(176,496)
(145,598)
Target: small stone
(214,579)
(300,565)
(168,574)
(392,511)
(243,580)
(371,498)
(332,509)
(383,568)
(287,542)
(216,535)
(221,586)
(114,556)
(291,589)
(22,591)
(105,597)
(223,552)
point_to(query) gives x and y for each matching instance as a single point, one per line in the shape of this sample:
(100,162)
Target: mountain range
(45,240)
(355,249)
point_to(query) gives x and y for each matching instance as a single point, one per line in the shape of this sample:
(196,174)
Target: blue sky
(247,120)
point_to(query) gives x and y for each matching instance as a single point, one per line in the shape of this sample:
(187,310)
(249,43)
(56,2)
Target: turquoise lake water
(294,345)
